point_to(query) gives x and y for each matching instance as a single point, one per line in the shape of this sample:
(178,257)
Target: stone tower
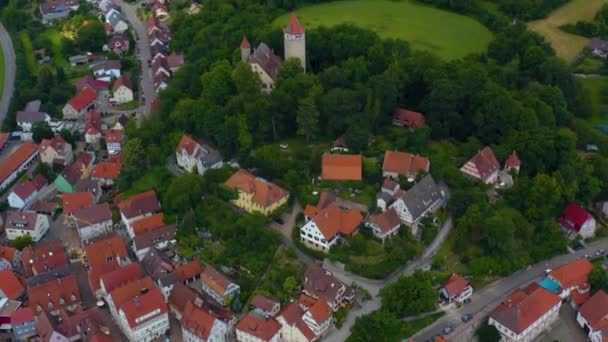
(295,40)
(245,49)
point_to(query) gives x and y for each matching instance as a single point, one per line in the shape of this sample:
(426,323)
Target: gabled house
(24,192)
(218,286)
(257,328)
(160,267)
(118,278)
(114,18)
(23,324)
(104,256)
(93,222)
(16,162)
(265,306)
(321,284)
(144,317)
(100,86)
(74,201)
(525,313)
(26,223)
(385,225)
(43,258)
(256,194)
(146,224)
(175,61)
(55,296)
(197,156)
(483,166)
(10,254)
(567,279)
(577,221)
(159,238)
(161,81)
(55,151)
(159,10)
(114,139)
(512,163)
(341,167)
(593,317)
(52,10)
(424,198)
(137,207)
(264,63)
(106,70)
(106,172)
(92,128)
(457,290)
(179,298)
(10,285)
(29,116)
(78,60)
(121,123)
(78,105)
(319,317)
(199,325)
(293,328)
(404,164)
(122,90)
(189,272)
(67,181)
(118,43)
(408,118)
(599,47)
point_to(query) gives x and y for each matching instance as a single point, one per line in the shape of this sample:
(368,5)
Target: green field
(447,34)
(567,45)
(599,102)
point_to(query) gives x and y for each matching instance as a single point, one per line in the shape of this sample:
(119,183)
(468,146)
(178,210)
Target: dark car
(579,246)
(467,318)
(279,220)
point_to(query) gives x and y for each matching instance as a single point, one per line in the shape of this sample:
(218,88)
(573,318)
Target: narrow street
(9,72)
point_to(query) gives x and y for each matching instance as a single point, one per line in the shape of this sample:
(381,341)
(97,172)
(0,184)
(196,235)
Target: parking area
(565,329)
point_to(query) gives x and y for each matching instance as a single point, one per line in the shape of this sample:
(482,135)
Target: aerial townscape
(304,170)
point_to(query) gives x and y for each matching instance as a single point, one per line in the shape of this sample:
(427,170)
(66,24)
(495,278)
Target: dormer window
(61,301)
(50,305)
(39,308)
(73,298)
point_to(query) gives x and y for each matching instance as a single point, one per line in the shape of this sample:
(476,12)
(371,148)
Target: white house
(319,317)
(457,289)
(26,119)
(218,286)
(114,18)
(569,277)
(385,225)
(23,193)
(525,314)
(93,221)
(577,221)
(593,317)
(254,328)
(199,325)
(483,166)
(144,318)
(122,90)
(106,70)
(423,199)
(293,328)
(138,206)
(263,61)
(26,223)
(193,156)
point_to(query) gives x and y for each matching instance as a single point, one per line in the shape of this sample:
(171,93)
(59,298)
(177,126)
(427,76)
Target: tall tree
(308,118)
(134,163)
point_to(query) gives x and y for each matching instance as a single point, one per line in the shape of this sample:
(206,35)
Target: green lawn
(28,48)
(594,86)
(589,65)
(447,34)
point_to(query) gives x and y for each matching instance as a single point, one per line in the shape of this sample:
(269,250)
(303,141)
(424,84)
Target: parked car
(279,220)
(448,329)
(467,318)
(600,252)
(579,246)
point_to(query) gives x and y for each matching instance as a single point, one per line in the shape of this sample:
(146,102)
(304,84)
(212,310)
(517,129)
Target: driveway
(9,71)
(146,88)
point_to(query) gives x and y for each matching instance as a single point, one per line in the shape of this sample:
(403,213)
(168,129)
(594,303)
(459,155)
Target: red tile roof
(264,303)
(197,321)
(56,143)
(93,123)
(22,315)
(485,162)
(341,167)
(245,43)
(10,285)
(455,285)
(292,314)
(404,163)
(121,276)
(187,144)
(74,201)
(320,311)
(513,160)
(39,181)
(16,159)
(123,80)
(114,136)
(90,82)
(83,99)
(294,27)
(333,220)
(595,311)
(52,294)
(574,217)
(524,307)
(408,118)
(189,270)
(264,193)
(387,220)
(93,215)
(180,296)
(4,138)
(390,184)
(7,253)
(128,291)
(217,281)
(573,273)
(24,189)
(43,257)
(148,224)
(139,204)
(106,170)
(264,329)
(143,305)
(98,252)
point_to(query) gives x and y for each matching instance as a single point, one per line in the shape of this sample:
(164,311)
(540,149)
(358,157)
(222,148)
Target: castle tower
(295,40)
(245,49)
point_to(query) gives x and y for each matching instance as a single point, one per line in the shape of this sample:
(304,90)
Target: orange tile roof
(595,311)
(143,203)
(74,201)
(294,27)
(188,144)
(333,220)
(130,290)
(114,136)
(189,270)
(99,251)
(7,253)
(122,276)
(16,159)
(83,99)
(264,193)
(408,118)
(573,273)
(455,285)
(320,311)
(404,163)
(106,170)
(180,296)
(197,321)
(143,305)
(148,224)
(264,329)
(10,285)
(386,220)
(43,257)
(341,167)
(50,295)
(217,281)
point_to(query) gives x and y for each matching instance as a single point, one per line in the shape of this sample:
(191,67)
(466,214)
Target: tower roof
(294,27)
(245,43)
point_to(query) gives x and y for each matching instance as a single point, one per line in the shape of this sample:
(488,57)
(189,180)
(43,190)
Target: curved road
(9,72)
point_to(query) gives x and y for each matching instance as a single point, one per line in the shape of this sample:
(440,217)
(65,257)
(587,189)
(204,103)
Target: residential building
(568,278)
(23,323)
(265,306)
(159,239)
(404,164)
(78,105)
(293,328)
(512,163)
(41,258)
(160,267)
(52,10)
(264,63)
(598,47)
(92,128)
(175,61)
(67,181)
(483,166)
(320,283)
(55,151)
(144,318)
(319,317)
(78,60)
(17,162)
(159,10)
(121,123)
(10,254)
(114,18)
(457,290)
(593,317)
(179,297)
(55,296)
(26,223)
(137,207)
(577,221)
(112,280)
(341,167)
(525,314)
(24,192)
(408,118)
(329,223)
(189,272)
(385,225)
(30,116)
(146,224)
(90,185)
(114,139)
(254,328)
(105,256)
(122,90)
(106,70)
(106,172)
(127,291)
(423,199)
(255,194)
(118,43)
(7,308)
(100,86)
(197,157)
(294,40)
(161,81)
(93,222)
(10,285)
(74,201)
(199,325)
(218,286)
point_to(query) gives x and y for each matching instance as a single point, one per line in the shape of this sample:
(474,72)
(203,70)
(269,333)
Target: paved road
(9,72)
(146,88)
(486,299)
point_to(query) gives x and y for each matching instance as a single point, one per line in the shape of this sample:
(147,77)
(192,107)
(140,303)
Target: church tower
(295,40)
(245,49)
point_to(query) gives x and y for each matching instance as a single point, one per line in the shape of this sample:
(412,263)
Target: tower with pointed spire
(295,40)
(245,49)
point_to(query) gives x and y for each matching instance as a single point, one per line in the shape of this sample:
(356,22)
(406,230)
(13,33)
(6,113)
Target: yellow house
(256,194)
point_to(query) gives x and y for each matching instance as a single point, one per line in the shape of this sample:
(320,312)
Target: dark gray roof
(212,156)
(384,196)
(45,277)
(88,185)
(422,196)
(113,16)
(156,265)
(31,117)
(149,239)
(168,279)
(33,106)
(266,59)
